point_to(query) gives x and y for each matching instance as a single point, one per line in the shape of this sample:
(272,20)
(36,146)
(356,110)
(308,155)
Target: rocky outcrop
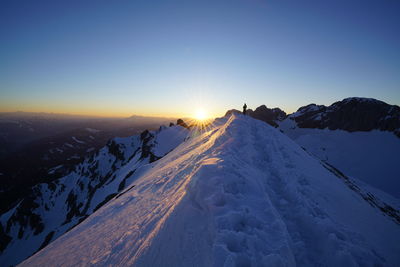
(232,111)
(350,114)
(180,122)
(270,116)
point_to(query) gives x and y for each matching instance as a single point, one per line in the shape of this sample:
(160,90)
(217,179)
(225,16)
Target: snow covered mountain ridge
(360,136)
(240,194)
(54,208)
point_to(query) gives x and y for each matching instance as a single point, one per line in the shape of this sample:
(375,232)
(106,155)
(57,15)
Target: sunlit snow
(241,194)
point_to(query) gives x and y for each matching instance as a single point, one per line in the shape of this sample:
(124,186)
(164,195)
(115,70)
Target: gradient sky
(120,58)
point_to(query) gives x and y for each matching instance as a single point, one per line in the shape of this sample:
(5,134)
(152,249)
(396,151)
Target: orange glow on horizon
(199,110)
(106,113)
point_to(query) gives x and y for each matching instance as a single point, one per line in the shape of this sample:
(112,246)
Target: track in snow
(242,194)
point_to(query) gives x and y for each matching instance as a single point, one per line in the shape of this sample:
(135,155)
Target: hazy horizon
(162,115)
(83,115)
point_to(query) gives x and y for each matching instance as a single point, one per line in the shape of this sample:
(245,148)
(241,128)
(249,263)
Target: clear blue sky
(172,57)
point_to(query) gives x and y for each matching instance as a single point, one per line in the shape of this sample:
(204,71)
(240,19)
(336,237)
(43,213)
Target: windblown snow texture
(241,194)
(369,156)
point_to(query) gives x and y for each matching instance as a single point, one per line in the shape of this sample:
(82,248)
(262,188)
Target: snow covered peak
(240,194)
(308,109)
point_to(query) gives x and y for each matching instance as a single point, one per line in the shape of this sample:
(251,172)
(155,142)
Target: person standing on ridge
(244,109)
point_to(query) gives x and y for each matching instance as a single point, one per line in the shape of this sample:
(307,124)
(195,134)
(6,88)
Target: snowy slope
(56,207)
(241,194)
(370,156)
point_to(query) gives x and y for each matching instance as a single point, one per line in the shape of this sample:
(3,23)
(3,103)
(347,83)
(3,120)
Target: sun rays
(200,122)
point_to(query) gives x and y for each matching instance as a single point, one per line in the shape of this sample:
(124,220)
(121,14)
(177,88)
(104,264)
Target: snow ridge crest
(239,194)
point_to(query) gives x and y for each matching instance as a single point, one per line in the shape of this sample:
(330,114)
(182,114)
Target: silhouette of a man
(244,109)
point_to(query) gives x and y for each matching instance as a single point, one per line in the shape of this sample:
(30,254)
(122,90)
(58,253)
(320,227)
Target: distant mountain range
(18,129)
(41,147)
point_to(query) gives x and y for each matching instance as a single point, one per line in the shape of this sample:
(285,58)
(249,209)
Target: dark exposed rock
(4,238)
(47,240)
(232,111)
(385,208)
(350,114)
(73,207)
(114,149)
(24,216)
(121,186)
(268,115)
(182,123)
(108,198)
(147,145)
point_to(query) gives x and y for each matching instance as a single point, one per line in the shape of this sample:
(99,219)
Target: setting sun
(200,115)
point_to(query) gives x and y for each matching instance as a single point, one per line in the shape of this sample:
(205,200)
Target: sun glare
(200,115)
(200,123)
